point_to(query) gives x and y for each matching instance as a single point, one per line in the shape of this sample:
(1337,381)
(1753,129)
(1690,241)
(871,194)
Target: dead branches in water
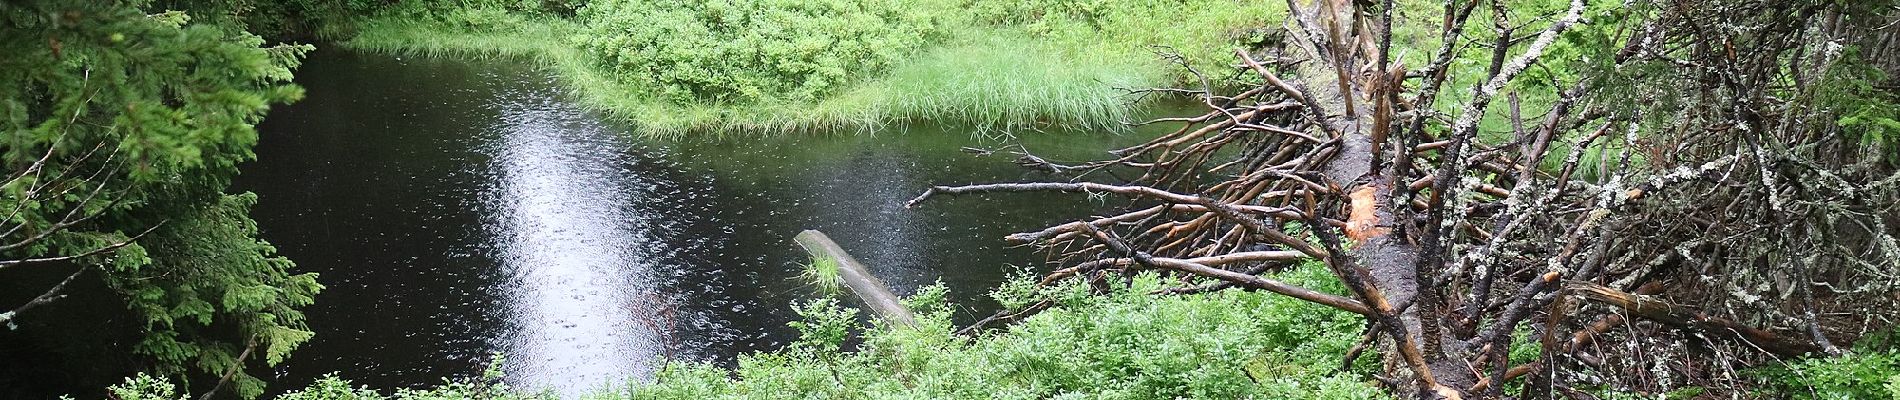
(1733,214)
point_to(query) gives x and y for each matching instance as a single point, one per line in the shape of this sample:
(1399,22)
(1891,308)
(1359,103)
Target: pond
(458,208)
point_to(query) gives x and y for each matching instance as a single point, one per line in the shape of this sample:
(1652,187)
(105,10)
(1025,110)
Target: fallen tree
(1704,188)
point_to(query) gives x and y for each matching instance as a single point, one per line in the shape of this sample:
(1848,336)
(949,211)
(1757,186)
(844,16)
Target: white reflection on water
(579,251)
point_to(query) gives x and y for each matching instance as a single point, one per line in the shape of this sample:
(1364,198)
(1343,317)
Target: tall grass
(1010,80)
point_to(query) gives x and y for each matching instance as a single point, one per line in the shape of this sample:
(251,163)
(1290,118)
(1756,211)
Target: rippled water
(456,209)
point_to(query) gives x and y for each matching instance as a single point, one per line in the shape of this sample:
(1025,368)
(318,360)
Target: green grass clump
(822,272)
(1006,79)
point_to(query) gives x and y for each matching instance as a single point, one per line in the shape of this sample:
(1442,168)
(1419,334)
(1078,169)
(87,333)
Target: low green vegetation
(769,66)
(746,51)
(823,274)
(1872,371)
(1123,344)
(1126,344)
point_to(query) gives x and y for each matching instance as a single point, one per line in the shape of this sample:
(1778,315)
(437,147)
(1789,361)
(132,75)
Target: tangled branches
(1690,192)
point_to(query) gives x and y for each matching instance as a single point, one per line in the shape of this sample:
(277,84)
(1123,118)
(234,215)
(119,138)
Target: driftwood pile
(1712,218)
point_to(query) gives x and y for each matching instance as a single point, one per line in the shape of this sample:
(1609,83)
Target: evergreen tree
(122,131)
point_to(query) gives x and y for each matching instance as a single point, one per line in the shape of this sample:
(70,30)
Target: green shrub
(1204,33)
(488,386)
(744,51)
(1125,345)
(1863,375)
(778,66)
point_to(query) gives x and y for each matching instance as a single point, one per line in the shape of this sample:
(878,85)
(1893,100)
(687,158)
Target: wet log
(875,294)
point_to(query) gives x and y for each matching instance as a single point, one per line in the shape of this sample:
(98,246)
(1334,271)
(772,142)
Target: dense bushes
(742,51)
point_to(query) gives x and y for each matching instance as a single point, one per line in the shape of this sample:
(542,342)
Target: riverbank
(1006,66)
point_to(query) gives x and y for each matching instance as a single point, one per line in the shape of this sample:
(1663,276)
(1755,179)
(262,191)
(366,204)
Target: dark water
(456,209)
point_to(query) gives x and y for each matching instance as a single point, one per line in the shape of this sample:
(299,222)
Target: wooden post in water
(875,295)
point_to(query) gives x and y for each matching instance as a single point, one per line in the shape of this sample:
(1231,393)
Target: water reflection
(579,234)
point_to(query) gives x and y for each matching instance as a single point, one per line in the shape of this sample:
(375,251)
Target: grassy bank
(1060,67)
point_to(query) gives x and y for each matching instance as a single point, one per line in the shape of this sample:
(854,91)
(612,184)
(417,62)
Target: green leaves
(132,122)
(824,328)
(281,340)
(1849,89)
(1861,375)
(1126,344)
(749,51)
(146,387)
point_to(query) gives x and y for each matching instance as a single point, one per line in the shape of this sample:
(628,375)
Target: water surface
(456,209)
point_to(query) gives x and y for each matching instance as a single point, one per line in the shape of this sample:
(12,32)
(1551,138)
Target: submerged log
(856,276)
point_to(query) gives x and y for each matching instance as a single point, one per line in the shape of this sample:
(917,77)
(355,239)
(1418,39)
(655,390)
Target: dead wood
(1680,213)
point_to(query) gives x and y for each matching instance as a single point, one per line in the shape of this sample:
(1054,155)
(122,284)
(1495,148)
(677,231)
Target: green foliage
(932,299)
(745,51)
(331,388)
(1863,374)
(486,387)
(988,81)
(142,120)
(1010,80)
(1123,345)
(145,387)
(824,327)
(1019,291)
(1864,110)
(1132,30)
(1684,393)
(209,273)
(774,66)
(1023,290)
(822,272)
(271,18)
